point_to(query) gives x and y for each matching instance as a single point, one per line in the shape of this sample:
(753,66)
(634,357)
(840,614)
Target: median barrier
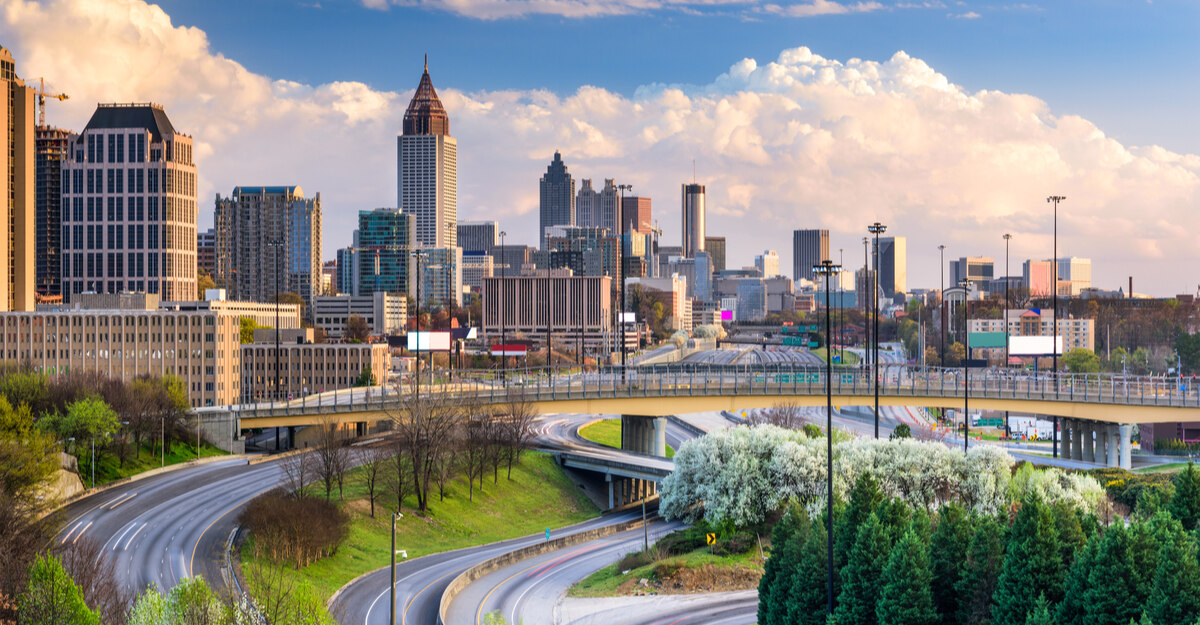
(693,430)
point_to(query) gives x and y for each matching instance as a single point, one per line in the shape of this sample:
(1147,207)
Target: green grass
(606,581)
(607,432)
(1170,467)
(848,358)
(539,495)
(108,468)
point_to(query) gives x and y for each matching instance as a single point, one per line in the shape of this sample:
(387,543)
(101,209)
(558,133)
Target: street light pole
(621,261)
(277,244)
(942,302)
(876,229)
(1055,199)
(966,284)
(417,388)
(828,269)
(1004,317)
(841,312)
(503,307)
(392,603)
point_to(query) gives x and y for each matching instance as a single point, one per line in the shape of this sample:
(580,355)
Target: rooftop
(148,115)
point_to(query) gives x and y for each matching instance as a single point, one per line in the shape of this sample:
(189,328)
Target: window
(91,180)
(112,209)
(77,208)
(120,148)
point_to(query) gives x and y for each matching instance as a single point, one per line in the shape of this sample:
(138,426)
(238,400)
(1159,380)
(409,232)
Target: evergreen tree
(860,576)
(1032,564)
(52,598)
(1070,532)
(1185,503)
(1111,596)
(947,558)
(791,522)
(904,594)
(1175,598)
(985,558)
(1041,614)
(777,602)
(865,497)
(1071,609)
(1144,543)
(807,604)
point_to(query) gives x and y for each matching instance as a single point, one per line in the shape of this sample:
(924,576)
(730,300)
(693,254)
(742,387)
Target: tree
(246,328)
(793,521)
(1175,597)
(948,558)
(1080,360)
(373,461)
(357,329)
(1032,564)
(1042,614)
(1110,598)
(1188,348)
(864,498)
(1072,609)
(518,431)
(366,377)
(787,555)
(904,595)
(330,456)
(955,352)
(89,565)
(204,282)
(900,431)
(861,573)
(52,598)
(810,580)
(1185,503)
(984,561)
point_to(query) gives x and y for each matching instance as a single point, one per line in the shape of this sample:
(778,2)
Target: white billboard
(429,341)
(628,317)
(1034,345)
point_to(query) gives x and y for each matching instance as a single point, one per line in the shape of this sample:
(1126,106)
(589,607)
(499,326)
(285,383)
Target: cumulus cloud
(820,7)
(969,15)
(801,141)
(501,9)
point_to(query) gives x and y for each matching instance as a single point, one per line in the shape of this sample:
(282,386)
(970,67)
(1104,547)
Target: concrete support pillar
(1067,426)
(1089,441)
(1113,445)
(660,436)
(1126,433)
(608,478)
(1077,447)
(644,434)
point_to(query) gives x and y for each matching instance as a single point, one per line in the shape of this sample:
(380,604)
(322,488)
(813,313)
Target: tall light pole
(392,603)
(965,284)
(828,270)
(841,311)
(866,309)
(1055,199)
(549,315)
(876,229)
(1004,317)
(418,255)
(942,301)
(621,261)
(277,244)
(503,306)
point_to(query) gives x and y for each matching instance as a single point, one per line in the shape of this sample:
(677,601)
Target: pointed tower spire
(426,62)
(425,114)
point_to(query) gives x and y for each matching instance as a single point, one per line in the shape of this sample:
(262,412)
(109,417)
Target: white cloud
(820,7)
(800,141)
(502,9)
(969,15)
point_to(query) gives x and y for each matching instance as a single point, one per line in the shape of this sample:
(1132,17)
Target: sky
(948,121)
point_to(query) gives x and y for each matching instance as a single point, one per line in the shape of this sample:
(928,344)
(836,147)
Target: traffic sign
(711,538)
(847,378)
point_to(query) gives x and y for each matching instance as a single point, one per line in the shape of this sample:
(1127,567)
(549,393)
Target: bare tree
(784,414)
(426,426)
(518,431)
(299,470)
(373,461)
(397,473)
(331,455)
(93,572)
(475,444)
(356,329)
(273,589)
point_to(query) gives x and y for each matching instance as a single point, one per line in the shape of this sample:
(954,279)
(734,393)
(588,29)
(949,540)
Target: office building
(329,277)
(809,248)
(51,148)
(1077,273)
(979,270)
(751,299)
(1074,276)
(781,294)
(692,206)
(307,368)
(475,268)
(427,168)
(285,316)
(581,308)
(597,209)
(715,246)
(1076,333)
(635,215)
(557,197)
(671,292)
(893,266)
(586,251)
(132,219)
(269,243)
(767,263)
(385,314)
(441,277)
(348,267)
(509,259)
(206,252)
(18,204)
(638,254)
(386,236)
(697,273)
(478,236)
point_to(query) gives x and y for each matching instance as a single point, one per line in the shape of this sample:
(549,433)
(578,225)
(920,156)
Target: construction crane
(41,100)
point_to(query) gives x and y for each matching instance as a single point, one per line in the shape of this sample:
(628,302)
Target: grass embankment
(607,432)
(109,469)
(1170,467)
(538,496)
(848,357)
(675,565)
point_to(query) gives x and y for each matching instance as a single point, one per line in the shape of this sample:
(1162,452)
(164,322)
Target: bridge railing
(538,384)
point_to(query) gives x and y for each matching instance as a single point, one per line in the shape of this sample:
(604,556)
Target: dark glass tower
(557,197)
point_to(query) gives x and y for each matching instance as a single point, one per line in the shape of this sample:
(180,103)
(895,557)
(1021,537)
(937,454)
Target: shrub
(297,530)
(666,569)
(634,560)
(740,542)
(683,541)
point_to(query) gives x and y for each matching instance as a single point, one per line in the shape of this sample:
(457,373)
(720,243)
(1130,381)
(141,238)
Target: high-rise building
(132,219)
(586,251)
(715,246)
(17,207)
(269,242)
(206,252)
(52,147)
(809,248)
(441,275)
(587,204)
(893,265)
(386,236)
(478,237)
(427,168)
(1037,275)
(978,269)
(635,213)
(557,193)
(1074,275)
(475,268)
(693,219)
(767,263)
(348,267)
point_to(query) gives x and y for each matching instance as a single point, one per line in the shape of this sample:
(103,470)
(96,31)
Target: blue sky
(1129,66)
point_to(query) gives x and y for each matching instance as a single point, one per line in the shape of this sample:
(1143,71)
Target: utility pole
(621,261)
(876,229)
(1055,199)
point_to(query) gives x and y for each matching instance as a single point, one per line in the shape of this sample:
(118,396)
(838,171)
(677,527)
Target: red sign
(508,350)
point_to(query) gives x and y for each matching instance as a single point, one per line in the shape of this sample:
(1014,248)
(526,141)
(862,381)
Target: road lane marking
(122,500)
(85,528)
(191,566)
(482,602)
(130,541)
(73,528)
(117,542)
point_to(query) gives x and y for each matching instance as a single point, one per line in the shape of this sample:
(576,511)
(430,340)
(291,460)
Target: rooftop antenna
(426,62)
(693,171)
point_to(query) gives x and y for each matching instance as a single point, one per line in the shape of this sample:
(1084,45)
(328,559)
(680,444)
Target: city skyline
(744,156)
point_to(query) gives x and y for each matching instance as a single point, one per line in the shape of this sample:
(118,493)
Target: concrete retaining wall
(499,562)
(695,431)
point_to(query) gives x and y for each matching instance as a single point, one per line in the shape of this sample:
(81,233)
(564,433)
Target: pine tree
(1185,503)
(948,557)
(807,604)
(865,497)
(860,575)
(1145,539)
(52,598)
(1041,614)
(1111,598)
(1070,532)
(777,602)
(795,520)
(904,594)
(1071,609)
(1175,598)
(985,558)
(1032,564)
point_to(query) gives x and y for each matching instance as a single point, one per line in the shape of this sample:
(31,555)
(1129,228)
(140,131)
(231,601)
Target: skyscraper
(17,212)
(206,252)
(478,236)
(385,238)
(693,219)
(809,247)
(767,263)
(557,192)
(253,225)
(608,214)
(893,265)
(52,147)
(635,212)
(977,269)
(715,246)
(132,219)
(587,205)
(427,168)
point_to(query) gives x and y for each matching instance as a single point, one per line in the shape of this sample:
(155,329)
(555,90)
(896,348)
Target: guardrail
(541,384)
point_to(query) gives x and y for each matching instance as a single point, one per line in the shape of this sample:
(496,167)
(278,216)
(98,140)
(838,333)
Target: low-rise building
(385,314)
(579,306)
(1076,333)
(262,313)
(672,293)
(307,368)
